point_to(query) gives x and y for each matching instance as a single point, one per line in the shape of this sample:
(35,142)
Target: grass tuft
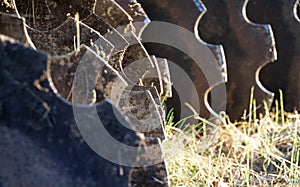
(259,151)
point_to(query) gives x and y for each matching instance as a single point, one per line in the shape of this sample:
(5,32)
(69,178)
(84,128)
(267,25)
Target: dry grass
(256,152)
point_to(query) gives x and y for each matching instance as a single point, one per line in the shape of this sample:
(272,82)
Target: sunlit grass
(259,151)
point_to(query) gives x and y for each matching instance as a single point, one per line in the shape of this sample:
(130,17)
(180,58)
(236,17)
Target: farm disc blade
(248,47)
(41,133)
(284,19)
(60,93)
